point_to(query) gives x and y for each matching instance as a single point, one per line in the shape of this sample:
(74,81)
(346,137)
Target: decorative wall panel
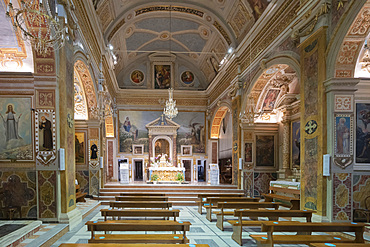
(262,182)
(47,181)
(83,180)
(342,184)
(361,190)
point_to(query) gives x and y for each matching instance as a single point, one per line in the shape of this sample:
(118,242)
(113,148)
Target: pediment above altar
(162,126)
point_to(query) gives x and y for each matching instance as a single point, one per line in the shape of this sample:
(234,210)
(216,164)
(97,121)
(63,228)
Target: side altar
(164,169)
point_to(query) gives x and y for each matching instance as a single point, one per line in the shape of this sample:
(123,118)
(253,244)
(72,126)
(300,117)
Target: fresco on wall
(187,77)
(80,148)
(342,135)
(296,144)
(15,129)
(162,76)
(265,154)
(248,152)
(270,99)
(137,76)
(362,133)
(258,6)
(132,129)
(45,132)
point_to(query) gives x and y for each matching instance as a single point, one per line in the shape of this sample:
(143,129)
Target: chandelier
(35,24)
(250,114)
(103,107)
(170,111)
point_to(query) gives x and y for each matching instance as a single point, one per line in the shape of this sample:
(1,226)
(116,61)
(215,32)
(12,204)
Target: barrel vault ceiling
(198,35)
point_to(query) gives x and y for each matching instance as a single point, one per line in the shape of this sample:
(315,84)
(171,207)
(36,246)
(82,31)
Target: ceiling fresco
(195,34)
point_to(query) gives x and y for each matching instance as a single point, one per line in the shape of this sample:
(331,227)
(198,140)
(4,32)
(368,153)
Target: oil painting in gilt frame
(363,133)
(80,143)
(248,152)
(296,144)
(162,76)
(265,151)
(16,129)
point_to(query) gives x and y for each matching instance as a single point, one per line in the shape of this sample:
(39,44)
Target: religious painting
(80,148)
(161,146)
(132,130)
(16,129)
(186,150)
(363,133)
(343,134)
(45,136)
(258,6)
(296,144)
(94,150)
(270,99)
(162,76)
(265,150)
(187,77)
(137,77)
(248,152)
(138,149)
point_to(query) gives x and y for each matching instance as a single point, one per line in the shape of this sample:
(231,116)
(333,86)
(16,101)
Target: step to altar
(178,194)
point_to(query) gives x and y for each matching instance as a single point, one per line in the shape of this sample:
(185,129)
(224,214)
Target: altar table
(166,173)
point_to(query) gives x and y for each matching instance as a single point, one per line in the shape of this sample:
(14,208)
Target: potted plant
(154,178)
(179,177)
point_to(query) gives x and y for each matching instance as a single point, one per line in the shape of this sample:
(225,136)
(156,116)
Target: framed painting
(16,129)
(45,136)
(187,77)
(137,77)
(265,151)
(162,76)
(343,135)
(94,150)
(296,144)
(138,149)
(186,150)
(363,133)
(248,152)
(270,99)
(80,147)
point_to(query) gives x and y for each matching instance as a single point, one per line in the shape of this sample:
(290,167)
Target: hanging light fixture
(250,114)
(170,111)
(35,23)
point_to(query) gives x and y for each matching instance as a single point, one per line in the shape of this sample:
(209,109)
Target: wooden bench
(140,213)
(212,203)
(139,225)
(239,205)
(142,198)
(142,194)
(304,230)
(140,204)
(133,245)
(339,245)
(272,215)
(287,201)
(202,198)
(80,197)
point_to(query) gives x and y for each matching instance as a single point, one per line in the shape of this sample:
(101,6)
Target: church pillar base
(72,218)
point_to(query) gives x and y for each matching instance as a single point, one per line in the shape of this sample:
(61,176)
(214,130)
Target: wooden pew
(272,215)
(80,197)
(307,228)
(202,198)
(142,194)
(139,225)
(142,198)
(287,201)
(339,245)
(133,245)
(240,205)
(212,202)
(140,204)
(140,213)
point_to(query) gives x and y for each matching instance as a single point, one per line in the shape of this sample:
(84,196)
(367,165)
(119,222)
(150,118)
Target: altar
(163,168)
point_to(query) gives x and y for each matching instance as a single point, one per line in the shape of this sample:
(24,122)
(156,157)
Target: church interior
(152,113)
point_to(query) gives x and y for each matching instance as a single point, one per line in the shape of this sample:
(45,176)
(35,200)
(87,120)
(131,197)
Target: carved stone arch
(352,43)
(337,41)
(217,118)
(84,75)
(285,58)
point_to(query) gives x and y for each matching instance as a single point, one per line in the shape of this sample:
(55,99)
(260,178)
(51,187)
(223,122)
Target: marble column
(286,148)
